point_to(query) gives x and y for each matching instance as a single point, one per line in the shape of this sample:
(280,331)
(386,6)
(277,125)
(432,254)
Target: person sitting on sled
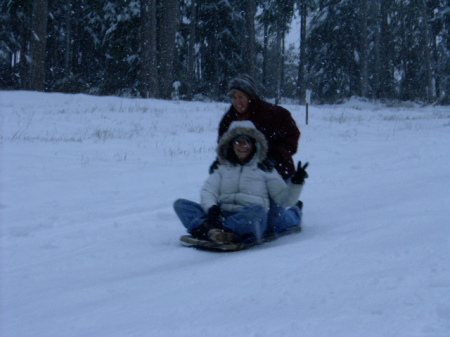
(235,198)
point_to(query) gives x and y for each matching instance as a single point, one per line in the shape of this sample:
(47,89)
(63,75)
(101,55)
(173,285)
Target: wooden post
(308,101)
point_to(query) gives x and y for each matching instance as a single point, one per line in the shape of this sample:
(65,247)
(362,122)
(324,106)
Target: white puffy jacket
(234,186)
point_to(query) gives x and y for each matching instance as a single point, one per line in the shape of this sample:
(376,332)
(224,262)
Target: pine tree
(333,51)
(250,36)
(374,48)
(167,22)
(15,29)
(38,45)
(441,52)
(149,86)
(276,18)
(220,42)
(363,49)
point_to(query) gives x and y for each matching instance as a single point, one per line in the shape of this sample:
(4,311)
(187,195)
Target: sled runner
(190,241)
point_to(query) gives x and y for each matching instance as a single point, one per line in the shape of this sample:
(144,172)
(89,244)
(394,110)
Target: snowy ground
(89,240)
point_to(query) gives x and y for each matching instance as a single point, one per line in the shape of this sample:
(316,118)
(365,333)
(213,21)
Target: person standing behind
(275,122)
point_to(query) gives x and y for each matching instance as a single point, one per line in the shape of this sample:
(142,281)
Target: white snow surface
(90,242)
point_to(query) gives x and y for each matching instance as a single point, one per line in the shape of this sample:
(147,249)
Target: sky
(293,36)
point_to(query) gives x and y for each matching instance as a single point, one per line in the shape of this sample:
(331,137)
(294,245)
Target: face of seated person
(243,148)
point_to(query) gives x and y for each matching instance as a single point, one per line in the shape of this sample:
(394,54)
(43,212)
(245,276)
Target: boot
(201,232)
(220,236)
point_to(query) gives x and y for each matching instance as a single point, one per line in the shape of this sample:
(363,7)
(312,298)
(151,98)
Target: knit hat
(244,83)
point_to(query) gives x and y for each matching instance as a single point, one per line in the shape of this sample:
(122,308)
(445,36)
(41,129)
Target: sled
(190,241)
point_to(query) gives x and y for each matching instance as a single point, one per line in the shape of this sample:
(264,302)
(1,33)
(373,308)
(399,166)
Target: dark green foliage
(333,52)
(94,47)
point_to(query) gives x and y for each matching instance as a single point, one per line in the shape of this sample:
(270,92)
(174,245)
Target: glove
(214,166)
(214,217)
(300,175)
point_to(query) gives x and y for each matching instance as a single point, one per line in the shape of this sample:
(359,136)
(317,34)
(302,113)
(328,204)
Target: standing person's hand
(214,166)
(300,175)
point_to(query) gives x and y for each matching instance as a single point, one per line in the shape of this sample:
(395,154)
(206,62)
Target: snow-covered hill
(89,239)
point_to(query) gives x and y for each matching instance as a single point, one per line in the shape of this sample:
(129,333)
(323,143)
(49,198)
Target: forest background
(189,49)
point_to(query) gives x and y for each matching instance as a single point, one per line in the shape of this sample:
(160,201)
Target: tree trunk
(38,45)
(23,67)
(154,73)
(215,57)
(68,42)
(301,85)
(149,86)
(166,44)
(364,77)
(250,38)
(146,51)
(190,71)
(279,63)
(265,57)
(426,48)
(435,57)
(77,32)
(386,64)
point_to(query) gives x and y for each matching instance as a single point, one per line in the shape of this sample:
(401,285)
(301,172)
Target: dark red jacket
(280,129)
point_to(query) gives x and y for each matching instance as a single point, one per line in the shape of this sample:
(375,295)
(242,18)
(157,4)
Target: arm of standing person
(284,143)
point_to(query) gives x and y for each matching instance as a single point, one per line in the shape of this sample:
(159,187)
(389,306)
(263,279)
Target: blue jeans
(280,218)
(250,221)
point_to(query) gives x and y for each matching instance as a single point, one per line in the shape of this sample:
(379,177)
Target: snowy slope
(89,240)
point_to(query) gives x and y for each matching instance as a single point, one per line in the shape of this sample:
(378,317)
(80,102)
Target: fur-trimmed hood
(242,128)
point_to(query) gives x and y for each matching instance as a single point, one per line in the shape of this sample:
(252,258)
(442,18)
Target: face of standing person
(240,101)
(243,147)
